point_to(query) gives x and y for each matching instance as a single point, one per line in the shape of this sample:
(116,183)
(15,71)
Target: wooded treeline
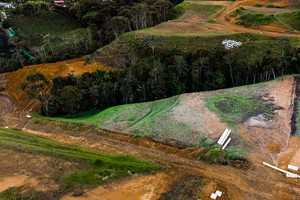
(109,19)
(104,21)
(170,73)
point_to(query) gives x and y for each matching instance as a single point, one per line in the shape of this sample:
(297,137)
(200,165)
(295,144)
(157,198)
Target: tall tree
(35,88)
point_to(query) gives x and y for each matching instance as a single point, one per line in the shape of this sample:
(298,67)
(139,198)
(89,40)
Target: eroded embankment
(295,117)
(5,103)
(5,106)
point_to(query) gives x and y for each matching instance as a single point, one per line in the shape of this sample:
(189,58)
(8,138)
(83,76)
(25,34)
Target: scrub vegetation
(237,108)
(100,167)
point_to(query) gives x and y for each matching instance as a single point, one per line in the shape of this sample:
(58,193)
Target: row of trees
(113,18)
(169,73)
(105,21)
(30,7)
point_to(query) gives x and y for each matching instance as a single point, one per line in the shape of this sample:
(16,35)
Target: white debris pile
(230,44)
(216,194)
(28,116)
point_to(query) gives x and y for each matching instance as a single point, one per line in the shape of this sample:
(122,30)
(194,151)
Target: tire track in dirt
(256,183)
(220,17)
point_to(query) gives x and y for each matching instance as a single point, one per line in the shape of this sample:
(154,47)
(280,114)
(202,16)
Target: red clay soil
(136,188)
(35,171)
(292,154)
(275,29)
(259,182)
(224,26)
(268,140)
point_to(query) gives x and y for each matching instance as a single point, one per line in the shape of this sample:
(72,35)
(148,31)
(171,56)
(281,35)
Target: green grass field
(150,118)
(99,165)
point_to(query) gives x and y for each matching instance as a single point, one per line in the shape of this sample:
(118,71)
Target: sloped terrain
(187,117)
(50,70)
(205,23)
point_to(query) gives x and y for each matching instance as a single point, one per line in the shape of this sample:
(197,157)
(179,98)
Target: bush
(215,155)
(211,21)
(5,24)
(237,11)
(257,5)
(270,6)
(97,162)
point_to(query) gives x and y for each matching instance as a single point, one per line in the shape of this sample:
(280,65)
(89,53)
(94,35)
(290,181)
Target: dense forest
(169,73)
(103,22)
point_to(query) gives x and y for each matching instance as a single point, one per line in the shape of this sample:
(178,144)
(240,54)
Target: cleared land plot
(188,117)
(98,168)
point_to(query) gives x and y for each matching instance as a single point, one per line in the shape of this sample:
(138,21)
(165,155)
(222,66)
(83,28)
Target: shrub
(257,5)
(270,6)
(97,162)
(211,21)
(237,11)
(215,155)
(5,24)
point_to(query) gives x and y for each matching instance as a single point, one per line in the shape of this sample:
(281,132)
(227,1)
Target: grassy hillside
(195,8)
(291,19)
(98,165)
(185,117)
(189,32)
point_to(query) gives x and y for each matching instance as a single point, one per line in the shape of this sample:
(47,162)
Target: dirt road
(228,26)
(256,183)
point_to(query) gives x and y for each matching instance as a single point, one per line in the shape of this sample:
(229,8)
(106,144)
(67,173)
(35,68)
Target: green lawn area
(150,118)
(99,165)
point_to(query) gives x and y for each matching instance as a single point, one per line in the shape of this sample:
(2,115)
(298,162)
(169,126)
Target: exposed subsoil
(224,26)
(35,171)
(255,183)
(258,182)
(295,113)
(135,188)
